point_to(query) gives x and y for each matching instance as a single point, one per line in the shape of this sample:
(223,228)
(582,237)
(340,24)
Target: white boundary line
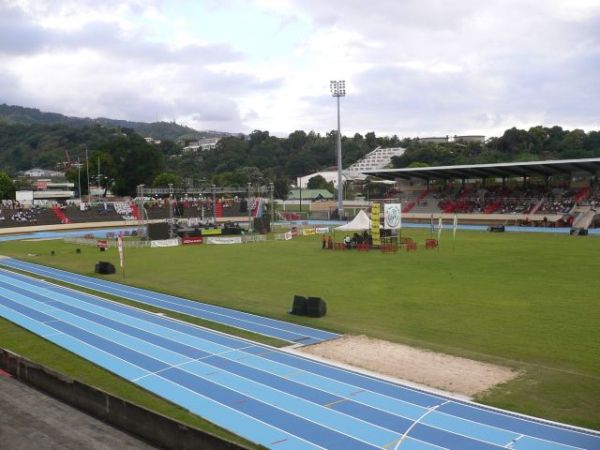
(481,424)
(438,393)
(210,381)
(140,311)
(143,353)
(195,375)
(193,304)
(414,424)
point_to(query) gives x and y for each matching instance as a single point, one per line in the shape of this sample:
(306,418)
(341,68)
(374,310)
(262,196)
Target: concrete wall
(152,427)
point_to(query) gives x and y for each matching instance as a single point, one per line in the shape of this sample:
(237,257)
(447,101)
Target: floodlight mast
(338,89)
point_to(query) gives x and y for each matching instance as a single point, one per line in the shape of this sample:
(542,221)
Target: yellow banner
(210,231)
(375,210)
(308,231)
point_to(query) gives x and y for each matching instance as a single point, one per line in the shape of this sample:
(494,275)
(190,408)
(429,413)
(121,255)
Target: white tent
(360,223)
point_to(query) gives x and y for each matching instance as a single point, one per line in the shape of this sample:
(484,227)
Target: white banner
(392,216)
(165,243)
(224,240)
(120,247)
(322,230)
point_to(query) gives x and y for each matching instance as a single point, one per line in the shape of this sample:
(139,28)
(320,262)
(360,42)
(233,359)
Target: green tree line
(125,159)
(537,143)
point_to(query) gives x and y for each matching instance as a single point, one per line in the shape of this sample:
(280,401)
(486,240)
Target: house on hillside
(36,172)
(201,145)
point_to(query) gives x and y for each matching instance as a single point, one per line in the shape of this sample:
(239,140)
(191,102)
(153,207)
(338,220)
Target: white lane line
(268,350)
(514,441)
(121,318)
(231,373)
(342,398)
(210,381)
(409,429)
(130,290)
(177,366)
(90,346)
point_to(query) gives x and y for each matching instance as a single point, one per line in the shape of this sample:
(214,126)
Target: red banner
(192,240)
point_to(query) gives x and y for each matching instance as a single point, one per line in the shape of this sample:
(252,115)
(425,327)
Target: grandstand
(546,193)
(377,159)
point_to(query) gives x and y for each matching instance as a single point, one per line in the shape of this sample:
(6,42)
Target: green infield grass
(529,301)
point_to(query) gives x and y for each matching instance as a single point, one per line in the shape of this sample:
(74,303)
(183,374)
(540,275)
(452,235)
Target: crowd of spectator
(503,200)
(14,211)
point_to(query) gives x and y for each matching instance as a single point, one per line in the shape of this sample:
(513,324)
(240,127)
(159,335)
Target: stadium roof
(498,170)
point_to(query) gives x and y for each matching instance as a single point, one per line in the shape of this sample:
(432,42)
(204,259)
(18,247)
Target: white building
(202,145)
(377,159)
(36,172)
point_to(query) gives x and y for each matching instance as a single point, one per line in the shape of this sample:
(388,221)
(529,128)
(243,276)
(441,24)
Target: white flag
(454,226)
(120,247)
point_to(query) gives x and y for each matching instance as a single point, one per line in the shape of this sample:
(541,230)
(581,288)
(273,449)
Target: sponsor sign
(321,230)
(102,243)
(224,240)
(211,231)
(375,210)
(192,240)
(164,243)
(392,216)
(308,231)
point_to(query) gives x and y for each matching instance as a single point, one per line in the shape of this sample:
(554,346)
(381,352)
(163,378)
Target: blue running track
(279,329)
(269,396)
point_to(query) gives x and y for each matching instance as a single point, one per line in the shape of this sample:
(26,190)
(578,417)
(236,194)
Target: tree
(7,188)
(371,140)
(103,170)
(318,182)
(136,162)
(166,178)
(281,188)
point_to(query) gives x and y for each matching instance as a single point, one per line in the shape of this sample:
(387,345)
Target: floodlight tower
(338,89)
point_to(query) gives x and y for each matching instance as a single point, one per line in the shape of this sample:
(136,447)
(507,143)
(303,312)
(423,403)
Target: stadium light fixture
(338,89)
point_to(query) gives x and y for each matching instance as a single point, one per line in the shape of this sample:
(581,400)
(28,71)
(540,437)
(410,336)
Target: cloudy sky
(412,67)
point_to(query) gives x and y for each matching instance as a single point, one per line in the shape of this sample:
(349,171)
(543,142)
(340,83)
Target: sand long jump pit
(454,374)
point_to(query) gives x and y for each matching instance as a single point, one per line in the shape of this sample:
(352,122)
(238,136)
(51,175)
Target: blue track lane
(268,327)
(269,396)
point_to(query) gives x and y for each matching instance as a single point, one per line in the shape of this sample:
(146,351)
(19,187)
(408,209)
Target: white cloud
(412,67)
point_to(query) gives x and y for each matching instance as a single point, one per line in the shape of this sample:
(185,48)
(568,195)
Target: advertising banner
(192,240)
(375,210)
(322,230)
(308,232)
(392,216)
(224,240)
(211,231)
(165,243)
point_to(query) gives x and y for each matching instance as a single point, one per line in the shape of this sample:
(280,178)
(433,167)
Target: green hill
(19,115)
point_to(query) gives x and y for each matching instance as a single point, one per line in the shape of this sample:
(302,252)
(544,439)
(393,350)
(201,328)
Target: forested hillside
(18,115)
(127,160)
(537,143)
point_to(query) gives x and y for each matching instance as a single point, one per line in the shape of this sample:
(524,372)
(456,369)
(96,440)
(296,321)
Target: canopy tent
(360,223)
